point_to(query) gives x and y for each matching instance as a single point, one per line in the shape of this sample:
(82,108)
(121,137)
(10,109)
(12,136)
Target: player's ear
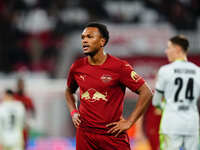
(103,41)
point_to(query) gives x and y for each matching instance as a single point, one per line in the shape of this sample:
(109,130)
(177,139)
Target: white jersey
(180,84)
(12,116)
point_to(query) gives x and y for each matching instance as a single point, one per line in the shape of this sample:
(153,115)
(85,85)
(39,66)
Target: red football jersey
(102,89)
(28,104)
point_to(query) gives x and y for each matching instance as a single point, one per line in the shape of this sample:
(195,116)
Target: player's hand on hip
(118,127)
(76,119)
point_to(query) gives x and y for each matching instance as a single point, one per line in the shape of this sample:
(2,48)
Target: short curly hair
(102,29)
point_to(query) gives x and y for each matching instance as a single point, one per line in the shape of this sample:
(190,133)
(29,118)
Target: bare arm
(70,99)
(145,96)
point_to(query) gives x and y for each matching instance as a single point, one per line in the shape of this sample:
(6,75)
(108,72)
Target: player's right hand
(76,119)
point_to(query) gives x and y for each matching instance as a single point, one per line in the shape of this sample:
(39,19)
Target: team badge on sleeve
(135,76)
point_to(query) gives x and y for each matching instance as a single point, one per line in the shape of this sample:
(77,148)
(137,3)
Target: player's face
(170,51)
(92,41)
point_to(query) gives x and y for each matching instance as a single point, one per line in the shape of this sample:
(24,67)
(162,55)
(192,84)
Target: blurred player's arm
(71,104)
(157,99)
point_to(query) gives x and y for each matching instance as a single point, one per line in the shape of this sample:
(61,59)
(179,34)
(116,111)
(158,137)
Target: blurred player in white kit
(178,83)
(12,121)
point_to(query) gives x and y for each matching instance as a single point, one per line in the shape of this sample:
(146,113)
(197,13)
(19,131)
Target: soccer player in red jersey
(102,80)
(151,124)
(28,104)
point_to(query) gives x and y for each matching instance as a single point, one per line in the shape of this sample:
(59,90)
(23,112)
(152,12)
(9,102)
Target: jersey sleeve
(157,100)
(23,114)
(71,82)
(130,78)
(29,104)
(160,83)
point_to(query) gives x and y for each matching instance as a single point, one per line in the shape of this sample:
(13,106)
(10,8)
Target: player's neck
(8,98)
(97,59)
(181,58)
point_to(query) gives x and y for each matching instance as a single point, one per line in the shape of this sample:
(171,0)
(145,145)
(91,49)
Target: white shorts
(175,142)
(13,146)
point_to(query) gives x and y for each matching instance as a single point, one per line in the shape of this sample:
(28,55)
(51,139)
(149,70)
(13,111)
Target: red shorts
(91,141)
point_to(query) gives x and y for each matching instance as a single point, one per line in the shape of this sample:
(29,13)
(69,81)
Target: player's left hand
(120,126)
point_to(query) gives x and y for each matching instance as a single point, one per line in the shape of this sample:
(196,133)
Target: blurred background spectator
(39,39)
(33,31)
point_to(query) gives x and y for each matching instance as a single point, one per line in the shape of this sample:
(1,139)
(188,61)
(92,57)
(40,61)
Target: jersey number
(188,91)
(11,121)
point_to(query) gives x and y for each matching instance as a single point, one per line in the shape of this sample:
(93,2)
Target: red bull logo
(93,95)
